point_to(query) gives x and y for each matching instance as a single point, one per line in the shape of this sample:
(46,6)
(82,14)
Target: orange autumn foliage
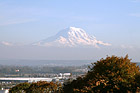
(112,74)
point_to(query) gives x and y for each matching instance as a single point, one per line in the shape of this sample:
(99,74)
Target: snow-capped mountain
(71,37)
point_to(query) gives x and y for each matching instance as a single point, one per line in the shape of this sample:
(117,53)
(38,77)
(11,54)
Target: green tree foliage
(20,88)
(137,79)
(37,87)
(113,74)
(44,87)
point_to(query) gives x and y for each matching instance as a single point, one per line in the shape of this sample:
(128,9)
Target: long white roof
(28,79)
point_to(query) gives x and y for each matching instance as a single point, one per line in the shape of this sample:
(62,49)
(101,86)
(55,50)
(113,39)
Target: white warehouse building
(24,79)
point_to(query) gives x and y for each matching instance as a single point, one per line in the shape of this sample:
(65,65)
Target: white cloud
(105,44)
(6,43)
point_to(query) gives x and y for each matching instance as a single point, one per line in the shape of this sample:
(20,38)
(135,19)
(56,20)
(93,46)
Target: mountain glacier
(71,37)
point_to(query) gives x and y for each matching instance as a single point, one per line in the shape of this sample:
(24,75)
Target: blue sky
(113,21)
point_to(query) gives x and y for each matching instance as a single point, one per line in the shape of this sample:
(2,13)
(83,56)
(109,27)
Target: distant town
(13,75)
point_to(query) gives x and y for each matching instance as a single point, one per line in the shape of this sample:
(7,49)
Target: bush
(37,87)
(20,88)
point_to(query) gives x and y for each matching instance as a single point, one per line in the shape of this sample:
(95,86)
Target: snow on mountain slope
(71,37)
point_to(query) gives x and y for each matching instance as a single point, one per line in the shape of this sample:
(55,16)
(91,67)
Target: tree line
(21,70)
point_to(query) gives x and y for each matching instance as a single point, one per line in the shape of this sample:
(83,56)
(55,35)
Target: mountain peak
(71,37)
(75,29)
